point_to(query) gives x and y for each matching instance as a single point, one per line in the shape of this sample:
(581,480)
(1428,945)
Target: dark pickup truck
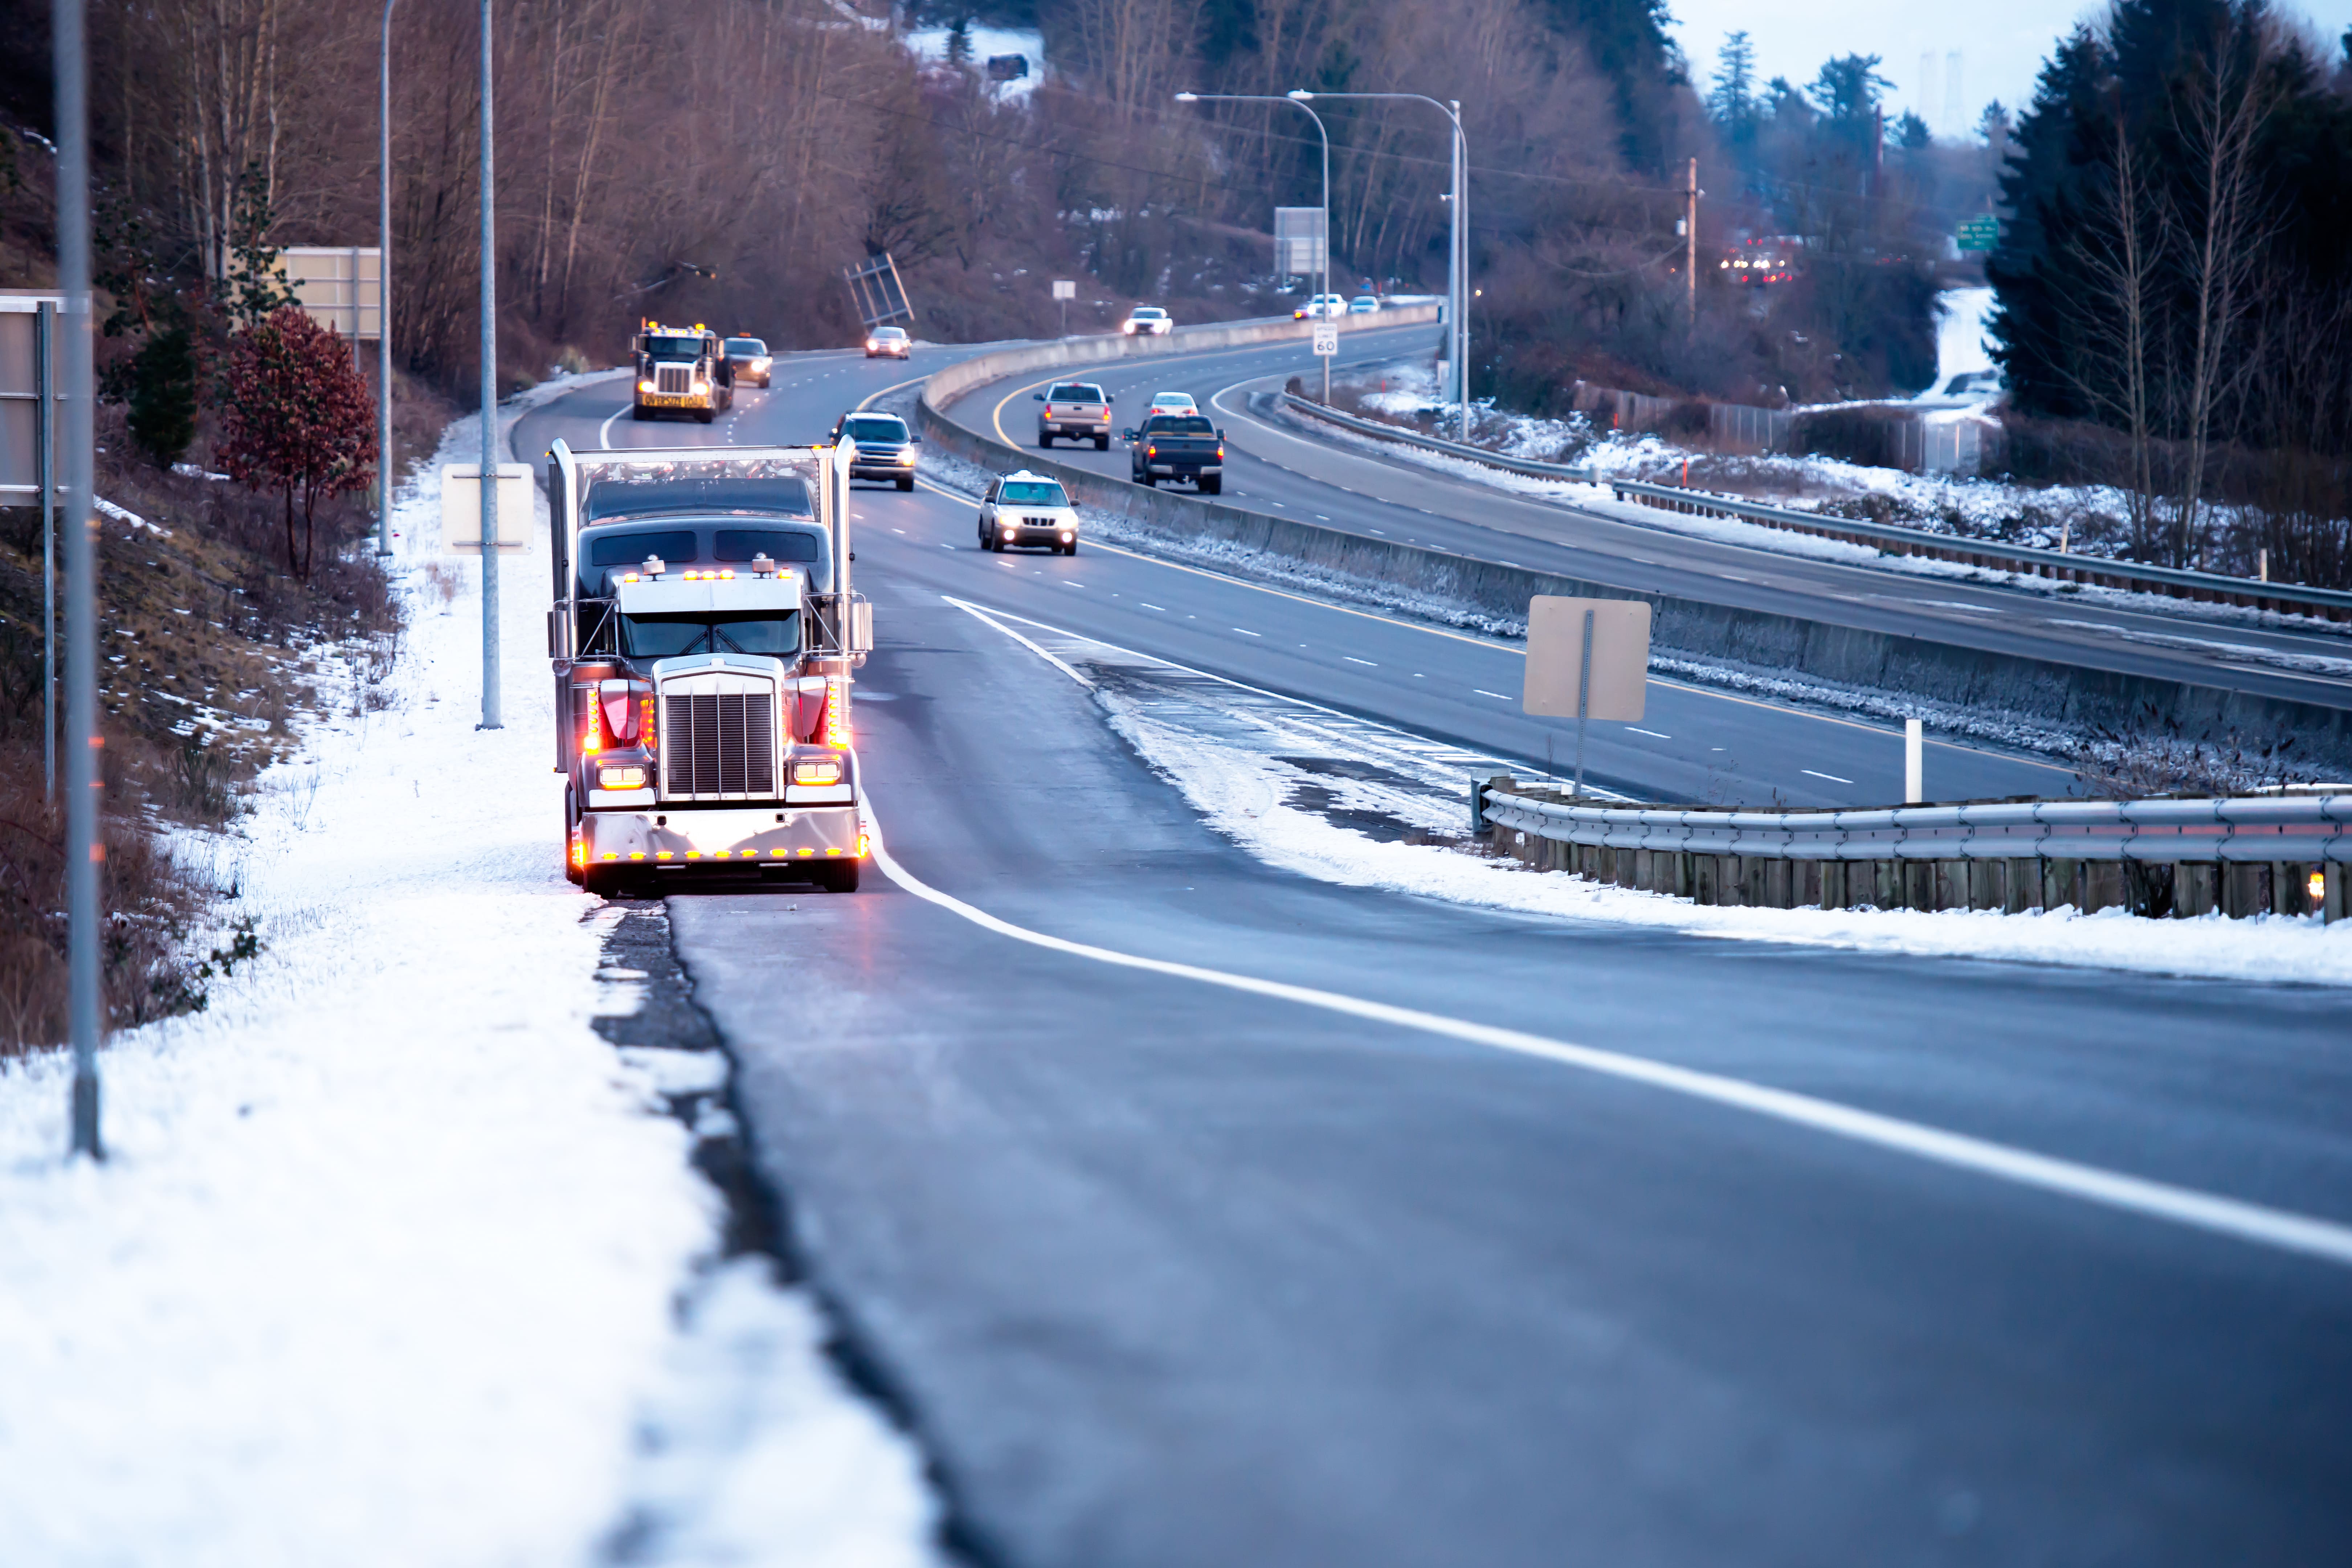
(1178,447)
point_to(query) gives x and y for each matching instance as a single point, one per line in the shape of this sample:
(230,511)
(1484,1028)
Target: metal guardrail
(1388,432)
(2334,603)
(2305,829)
(2286,855)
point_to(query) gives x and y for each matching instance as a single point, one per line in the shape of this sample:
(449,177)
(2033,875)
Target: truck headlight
(645,387)
(817,771)
(906,455)
(620,778)
(701,385)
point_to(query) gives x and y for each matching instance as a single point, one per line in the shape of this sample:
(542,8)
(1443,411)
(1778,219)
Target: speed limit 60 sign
(1327,338)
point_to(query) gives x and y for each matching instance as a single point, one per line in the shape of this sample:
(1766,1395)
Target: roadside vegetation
(221,633)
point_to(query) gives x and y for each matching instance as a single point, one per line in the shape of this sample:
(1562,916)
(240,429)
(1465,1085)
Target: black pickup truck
(1178,447)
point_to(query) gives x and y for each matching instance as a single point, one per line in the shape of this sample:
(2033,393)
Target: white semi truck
(704,636)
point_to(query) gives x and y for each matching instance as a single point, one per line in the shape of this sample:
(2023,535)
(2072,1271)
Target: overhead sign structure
(461,509)
(881,297)
(1979,234)
(1587,659)
(1300,242)
(1327,338)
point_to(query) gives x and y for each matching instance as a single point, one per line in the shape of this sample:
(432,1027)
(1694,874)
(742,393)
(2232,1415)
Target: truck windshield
(1074,391)
(746,348)
(872,429)
(674,348)
(1034,493)
(667,637)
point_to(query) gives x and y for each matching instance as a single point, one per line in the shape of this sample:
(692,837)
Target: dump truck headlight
(620,778)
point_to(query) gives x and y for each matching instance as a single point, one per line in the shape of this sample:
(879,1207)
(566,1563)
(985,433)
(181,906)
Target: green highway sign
(1981,233)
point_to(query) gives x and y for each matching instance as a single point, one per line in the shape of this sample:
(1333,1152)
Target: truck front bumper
(679,838)
(676,400)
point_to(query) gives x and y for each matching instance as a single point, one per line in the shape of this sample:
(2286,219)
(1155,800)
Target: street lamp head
(1298,93)
(1188,98)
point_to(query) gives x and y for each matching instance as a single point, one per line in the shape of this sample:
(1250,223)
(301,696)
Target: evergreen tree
(1732,101)
(162,394)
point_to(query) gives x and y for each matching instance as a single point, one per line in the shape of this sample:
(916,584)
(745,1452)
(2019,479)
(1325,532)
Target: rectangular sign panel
(1065,288)
(1299,241)
(1327,338)
(338,286)
(461,509)
(1620,657)
(20,398)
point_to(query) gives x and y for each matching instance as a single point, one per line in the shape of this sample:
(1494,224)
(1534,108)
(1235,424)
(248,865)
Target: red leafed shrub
(296,418)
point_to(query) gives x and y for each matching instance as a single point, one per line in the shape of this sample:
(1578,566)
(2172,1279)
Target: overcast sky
(2000,44)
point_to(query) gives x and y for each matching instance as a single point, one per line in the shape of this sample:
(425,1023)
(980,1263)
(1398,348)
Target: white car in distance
(1023,509)
(1319,306)
(1147,321)
(1364,305)
(1172,403)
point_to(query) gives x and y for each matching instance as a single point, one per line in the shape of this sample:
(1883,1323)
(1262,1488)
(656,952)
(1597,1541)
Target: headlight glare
(620,778)
(817,771)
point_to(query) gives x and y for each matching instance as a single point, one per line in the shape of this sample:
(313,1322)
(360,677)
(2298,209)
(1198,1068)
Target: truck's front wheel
(638,411)
(701,416)
(604,882)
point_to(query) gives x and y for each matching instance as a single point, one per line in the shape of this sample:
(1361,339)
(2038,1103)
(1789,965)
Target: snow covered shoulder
(395,1259)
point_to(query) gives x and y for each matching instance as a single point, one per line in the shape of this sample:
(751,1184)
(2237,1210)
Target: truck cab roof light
(762,566)
(655,566)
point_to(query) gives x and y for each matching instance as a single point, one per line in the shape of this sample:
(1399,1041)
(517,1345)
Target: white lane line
(479,535)
(1635,728)
(603,437)
(1350,657)
(1832,777)
(1319,517)
(1138,601)
(2232,1217)
(1243,630)
(1496,695)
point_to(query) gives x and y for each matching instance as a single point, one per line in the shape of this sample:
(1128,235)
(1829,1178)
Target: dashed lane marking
(1832,777)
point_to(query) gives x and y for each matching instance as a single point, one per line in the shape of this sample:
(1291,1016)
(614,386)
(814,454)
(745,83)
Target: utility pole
(382,294)
(83,845)
(491,715)
(1690,244)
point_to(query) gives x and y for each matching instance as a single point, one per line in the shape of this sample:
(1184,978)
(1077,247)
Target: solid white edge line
(2255,1223)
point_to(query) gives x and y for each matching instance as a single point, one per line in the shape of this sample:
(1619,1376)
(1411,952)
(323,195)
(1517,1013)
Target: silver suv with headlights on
(883,447)
(1023,509)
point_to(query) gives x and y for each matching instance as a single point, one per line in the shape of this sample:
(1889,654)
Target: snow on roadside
(1242,794)
(393,1259)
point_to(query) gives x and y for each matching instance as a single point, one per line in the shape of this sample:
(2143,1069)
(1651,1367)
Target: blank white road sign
(1065,287)
(1327,338)
(1620,656)
(461,509)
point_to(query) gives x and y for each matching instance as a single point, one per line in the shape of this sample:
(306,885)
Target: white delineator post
(1915,746)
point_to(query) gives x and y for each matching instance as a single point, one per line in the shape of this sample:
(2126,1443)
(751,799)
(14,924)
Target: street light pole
(1323,289)
(69,62)
(1457,265)
(384,294)
(491,719)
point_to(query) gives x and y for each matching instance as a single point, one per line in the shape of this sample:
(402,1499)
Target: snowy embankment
(393,1259)
(1244,794)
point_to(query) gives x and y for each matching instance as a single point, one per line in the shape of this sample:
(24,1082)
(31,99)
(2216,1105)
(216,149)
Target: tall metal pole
(45,382)
(490,471)
(1457,254)
(1296,99)
(1690,246)
(384,293)
(82,846)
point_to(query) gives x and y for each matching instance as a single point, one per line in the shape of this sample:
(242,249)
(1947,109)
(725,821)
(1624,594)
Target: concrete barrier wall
(1943,672)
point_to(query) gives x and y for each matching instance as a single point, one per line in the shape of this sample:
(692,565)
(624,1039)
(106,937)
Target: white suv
(1148,322)
(1023,508)
(1318,306)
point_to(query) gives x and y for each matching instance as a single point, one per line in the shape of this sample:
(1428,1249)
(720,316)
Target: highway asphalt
(1277,467)
(1169,1272)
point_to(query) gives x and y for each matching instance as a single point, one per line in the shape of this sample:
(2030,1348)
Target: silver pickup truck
(1075,411)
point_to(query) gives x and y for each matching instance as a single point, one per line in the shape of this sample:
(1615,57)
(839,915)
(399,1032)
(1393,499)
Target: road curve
(1170,1275)
(1277,467)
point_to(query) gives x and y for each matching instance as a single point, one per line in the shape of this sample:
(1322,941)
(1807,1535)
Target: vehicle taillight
(1151,451)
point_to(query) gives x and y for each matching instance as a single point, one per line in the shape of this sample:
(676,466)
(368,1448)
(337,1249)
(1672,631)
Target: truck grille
(674,378)
(1037,522)
(719,743)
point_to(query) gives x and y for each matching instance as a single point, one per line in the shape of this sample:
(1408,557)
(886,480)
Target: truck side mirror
(1036,398)
(1127,434)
